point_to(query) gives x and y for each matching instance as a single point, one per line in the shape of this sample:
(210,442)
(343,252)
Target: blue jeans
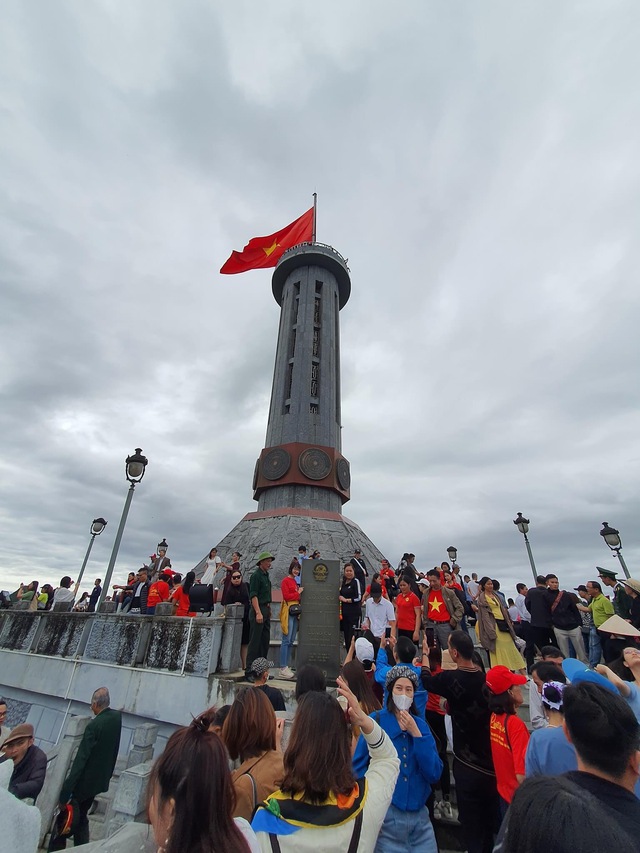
(403,831)
(287,641)
(595,647)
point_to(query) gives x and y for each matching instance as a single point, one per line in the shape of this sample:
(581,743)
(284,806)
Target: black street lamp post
(97,526)
(135,467)
(612,537)
(522,524)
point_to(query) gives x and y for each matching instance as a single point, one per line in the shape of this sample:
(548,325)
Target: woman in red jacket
(290,595)
(508,733)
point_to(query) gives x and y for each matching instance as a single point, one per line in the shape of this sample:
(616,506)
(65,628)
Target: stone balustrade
(198,646)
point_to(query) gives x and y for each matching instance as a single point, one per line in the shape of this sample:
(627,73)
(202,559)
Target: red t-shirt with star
(437,609)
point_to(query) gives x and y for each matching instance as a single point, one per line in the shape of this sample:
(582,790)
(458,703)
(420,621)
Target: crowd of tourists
(423,726)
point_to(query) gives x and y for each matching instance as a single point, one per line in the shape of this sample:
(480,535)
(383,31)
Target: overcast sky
(477,163)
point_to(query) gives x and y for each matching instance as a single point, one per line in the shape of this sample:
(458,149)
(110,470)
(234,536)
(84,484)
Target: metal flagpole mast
(315,214)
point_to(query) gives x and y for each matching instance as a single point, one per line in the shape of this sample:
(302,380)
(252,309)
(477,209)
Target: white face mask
(402,701)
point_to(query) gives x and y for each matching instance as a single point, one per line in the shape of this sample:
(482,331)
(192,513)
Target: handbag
(295,609)
(503,626)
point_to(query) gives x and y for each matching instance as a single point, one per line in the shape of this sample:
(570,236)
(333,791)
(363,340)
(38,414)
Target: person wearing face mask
(406,825)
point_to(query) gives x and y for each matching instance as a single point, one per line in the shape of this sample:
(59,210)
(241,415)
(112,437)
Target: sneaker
(285,672)
(446,810)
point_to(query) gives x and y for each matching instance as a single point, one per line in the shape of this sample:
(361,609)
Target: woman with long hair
(191,798)
(549,752)
(508,734)
(45,597)
(406,825)
(30,594)
(321,804)
(495,629)
(252,734)
(238,593)
(350,598)
(180,595)
(289,621)
(354,674)
(212,566)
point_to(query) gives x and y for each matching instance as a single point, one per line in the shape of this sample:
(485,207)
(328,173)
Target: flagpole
(315,213)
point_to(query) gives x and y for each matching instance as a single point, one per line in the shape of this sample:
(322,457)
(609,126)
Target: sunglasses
(236,577)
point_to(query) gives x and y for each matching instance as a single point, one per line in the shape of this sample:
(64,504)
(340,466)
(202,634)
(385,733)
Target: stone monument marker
(319,631)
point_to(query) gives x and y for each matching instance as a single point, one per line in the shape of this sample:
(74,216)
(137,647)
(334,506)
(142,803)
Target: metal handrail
(316,243)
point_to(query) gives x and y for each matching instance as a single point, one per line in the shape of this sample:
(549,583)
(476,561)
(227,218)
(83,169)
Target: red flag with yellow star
(262,252)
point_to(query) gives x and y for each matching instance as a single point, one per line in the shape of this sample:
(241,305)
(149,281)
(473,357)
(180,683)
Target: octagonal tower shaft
(311,283)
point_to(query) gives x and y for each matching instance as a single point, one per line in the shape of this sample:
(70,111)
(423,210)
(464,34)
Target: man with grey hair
(93,765)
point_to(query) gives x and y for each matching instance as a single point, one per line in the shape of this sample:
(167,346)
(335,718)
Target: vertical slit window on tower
(292,350)
(316,311)
(296,303)
(313,409)
(315,352)
(287,389)
(315,375)
(318,286)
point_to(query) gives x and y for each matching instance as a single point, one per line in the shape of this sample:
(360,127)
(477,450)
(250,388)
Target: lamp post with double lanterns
(612,537)
(522,524)
(97,526)
(135,466)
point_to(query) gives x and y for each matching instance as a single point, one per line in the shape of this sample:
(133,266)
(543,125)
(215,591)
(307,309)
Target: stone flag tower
(301,478)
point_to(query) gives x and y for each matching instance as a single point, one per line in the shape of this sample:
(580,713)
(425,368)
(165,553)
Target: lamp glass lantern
(97,526)
(452,551)
(611,536)
(136,466)
(522,524)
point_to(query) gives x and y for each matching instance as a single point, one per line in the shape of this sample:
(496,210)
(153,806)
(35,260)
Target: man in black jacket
(538,604)
(29,763)
(566,619)
(464,690)
(359,568)
(140,592)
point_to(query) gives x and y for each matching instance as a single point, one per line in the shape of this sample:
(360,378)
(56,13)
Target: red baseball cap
(500,679)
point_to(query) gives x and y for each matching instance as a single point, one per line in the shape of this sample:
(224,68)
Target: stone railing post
(59,761)
(130,801)
(232,634)
(142,743)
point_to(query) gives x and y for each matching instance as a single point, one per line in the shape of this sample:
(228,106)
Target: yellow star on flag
(270,249)
(434,605)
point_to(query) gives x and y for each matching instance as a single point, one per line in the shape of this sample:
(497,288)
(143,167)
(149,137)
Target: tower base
(282,531)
